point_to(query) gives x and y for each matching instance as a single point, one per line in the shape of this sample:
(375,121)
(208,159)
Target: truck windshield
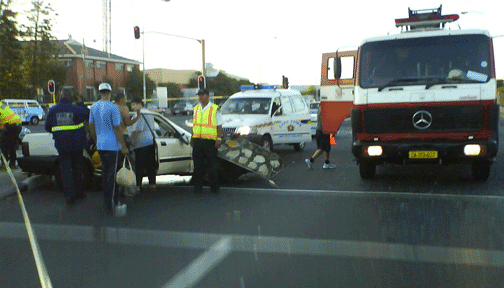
(425,61)
(246,106)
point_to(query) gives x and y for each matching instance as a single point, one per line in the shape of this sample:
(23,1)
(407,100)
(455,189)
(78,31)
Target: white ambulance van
(268,116)
(28,110)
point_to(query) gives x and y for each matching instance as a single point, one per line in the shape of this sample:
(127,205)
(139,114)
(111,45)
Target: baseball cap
(203,91)
(104,87)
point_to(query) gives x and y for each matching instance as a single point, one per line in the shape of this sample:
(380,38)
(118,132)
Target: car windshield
(246,106)
(425,61)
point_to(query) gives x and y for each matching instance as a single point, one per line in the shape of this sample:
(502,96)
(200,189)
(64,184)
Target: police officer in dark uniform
(66,122)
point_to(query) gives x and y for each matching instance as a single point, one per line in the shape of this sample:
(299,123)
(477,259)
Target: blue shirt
(145,138)
(105,116)
(66,114)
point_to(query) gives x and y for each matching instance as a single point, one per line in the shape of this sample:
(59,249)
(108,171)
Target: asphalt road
(413,226)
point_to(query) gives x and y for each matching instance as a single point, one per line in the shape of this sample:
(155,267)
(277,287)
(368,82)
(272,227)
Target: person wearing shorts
(323,146)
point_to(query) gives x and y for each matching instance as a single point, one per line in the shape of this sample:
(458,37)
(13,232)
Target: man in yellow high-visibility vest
(206,139)
(10,127)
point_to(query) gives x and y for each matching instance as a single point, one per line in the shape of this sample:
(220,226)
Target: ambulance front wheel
(267,143)
(299,146)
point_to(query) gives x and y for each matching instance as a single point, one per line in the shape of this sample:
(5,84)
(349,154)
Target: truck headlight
(246,130)
(472,149)
(374,151)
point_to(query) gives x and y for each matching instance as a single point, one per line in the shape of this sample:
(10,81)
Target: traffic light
(201,82)
(285,82)
(51,87)
(137,32)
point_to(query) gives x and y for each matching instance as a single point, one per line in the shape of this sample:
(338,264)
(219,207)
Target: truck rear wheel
(367,169)
(481,170)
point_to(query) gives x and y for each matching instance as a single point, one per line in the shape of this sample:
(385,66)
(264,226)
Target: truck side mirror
(337,68)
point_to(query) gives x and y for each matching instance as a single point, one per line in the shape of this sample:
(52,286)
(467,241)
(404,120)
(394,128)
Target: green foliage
(173,90)
(134,85)
(221,85)
(40,53)
(11,80)
(310,90)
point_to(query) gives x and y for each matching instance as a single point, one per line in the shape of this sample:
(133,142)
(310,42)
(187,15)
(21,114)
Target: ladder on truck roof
(425,19)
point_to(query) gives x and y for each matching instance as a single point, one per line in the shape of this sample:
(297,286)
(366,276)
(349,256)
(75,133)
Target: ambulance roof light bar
(425,19)
(257,87)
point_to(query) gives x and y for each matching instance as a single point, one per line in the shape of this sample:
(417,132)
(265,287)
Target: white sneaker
(308,163)
(120,210)
(329,166)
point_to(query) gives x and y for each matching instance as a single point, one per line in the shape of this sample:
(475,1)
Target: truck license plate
(423,154)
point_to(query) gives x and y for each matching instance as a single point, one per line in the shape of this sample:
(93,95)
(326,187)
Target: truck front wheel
(481,170)
(367,169)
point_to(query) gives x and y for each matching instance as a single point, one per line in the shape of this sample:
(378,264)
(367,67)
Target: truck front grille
(444,119)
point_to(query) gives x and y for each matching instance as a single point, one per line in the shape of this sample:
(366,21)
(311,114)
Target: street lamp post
(201,41)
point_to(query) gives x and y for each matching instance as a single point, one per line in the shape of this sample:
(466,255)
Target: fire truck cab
(426,95)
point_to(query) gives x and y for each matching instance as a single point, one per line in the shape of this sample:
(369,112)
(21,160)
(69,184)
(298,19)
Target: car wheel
(299,146)
(34,120)
(267,143)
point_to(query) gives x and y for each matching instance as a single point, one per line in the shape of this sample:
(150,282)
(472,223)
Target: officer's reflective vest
(205,124)
(67,127)
(7,116)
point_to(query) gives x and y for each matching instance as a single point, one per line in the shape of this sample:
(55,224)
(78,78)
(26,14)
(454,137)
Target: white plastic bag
(125,176)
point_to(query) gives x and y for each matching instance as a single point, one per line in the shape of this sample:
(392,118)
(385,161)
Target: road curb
(28,184)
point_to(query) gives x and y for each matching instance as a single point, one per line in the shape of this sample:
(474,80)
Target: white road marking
(193,273)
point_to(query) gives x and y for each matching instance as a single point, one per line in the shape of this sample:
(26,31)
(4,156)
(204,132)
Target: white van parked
(268,116)
(28,110)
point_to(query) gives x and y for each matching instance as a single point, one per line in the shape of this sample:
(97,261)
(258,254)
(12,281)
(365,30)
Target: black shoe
(216,191)
(81,196)
(198,190)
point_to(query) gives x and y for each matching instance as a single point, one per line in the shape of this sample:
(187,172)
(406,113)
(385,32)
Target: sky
(260,40)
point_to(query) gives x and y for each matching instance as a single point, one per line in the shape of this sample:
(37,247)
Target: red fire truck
(425,95)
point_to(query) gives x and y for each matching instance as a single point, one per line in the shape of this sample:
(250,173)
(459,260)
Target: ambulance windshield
(246,106)
(424,61)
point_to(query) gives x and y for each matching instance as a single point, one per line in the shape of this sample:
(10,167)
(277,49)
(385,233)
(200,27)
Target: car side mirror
(183,137)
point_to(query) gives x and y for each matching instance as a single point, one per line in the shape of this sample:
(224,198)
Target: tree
(11,80)
(310,90)
(173,90)
(40,53)
(134,84)
(221,85)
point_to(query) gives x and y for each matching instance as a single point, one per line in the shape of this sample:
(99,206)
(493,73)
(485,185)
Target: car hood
(234,120)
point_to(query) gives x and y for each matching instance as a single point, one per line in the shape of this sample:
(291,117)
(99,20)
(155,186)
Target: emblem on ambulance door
(290,128)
